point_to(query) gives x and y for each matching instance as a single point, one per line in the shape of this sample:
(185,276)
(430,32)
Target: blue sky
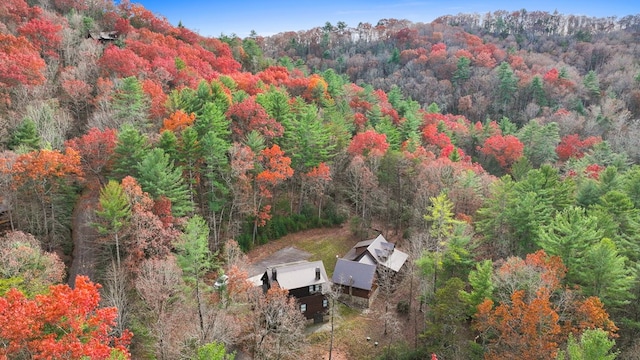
(215,17)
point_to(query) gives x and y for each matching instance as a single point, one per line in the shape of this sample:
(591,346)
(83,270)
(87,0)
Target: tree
(130,149)
(195,260)
(594,344)
(160,177)
(481,283)
(24,265)
(214,351)
(25,137)
(520,329)
(20,62)
(540,142)
(604,274)
(248,115)
(62,324)
(45,174)
(130,103)
(96,149)
(506,150)
(507,86)
(569,236)
(114,211)
(160,287)
(275,328)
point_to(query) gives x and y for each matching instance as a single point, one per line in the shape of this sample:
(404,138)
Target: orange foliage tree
(65,323)
(536,314)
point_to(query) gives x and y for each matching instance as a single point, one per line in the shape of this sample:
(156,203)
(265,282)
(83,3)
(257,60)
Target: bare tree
(275,329)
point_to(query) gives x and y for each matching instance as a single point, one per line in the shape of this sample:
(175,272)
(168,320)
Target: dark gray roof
(351,273)
(378,251)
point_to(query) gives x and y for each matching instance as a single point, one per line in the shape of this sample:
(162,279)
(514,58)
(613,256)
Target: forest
(139,161)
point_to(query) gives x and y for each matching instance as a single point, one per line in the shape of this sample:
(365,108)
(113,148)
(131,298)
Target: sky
(239,17)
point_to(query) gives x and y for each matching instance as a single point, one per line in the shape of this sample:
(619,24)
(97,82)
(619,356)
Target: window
(303,307)
(325,303)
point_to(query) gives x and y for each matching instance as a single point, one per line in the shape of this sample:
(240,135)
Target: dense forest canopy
(140,160)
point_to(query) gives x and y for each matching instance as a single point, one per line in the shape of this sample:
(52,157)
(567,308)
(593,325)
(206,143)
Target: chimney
(317,273)
(274,274)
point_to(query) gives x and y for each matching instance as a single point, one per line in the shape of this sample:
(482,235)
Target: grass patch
(326,249)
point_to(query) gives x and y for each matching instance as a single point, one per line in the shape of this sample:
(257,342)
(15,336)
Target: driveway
(286,255)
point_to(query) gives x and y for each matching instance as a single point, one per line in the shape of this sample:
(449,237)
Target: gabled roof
(297,274)
(351,273)
(377,251)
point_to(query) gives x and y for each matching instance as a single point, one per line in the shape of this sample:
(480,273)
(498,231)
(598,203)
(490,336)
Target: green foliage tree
(114,213)
(540,142)
(507,86)
(569,236)
(537,91)
(195,260)
(129,151)
(481,282)
(463,71)
(25,138)
(592,85)
(130,103)
(214,351)
(158,176)
(594,344)
(168,142)
(605,274)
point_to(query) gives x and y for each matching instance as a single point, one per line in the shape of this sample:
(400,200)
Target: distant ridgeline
(540,23)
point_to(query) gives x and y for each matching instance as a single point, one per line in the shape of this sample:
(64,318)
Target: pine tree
(168,142)
(130,103)
(25,137)
(463,71)
(195,259)
(114,212)
(129,151)
(571,233)
(159,176)
(606,275)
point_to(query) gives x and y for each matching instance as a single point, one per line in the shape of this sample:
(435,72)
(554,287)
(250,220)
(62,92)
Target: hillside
(499,150)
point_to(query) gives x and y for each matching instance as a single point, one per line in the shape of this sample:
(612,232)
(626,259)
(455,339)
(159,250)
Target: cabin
(306,281)
(357,281)
(104,36)
(378,252)
(357,271)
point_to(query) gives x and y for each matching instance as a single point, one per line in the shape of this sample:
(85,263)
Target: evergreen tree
(25,137)
(130,103)
(195,260)
(114,212)
(160,177)
(594,345)
(606,275)
(540,142)
(129,151)
(537,91)
(592,85)
(168,142)
(481,282)
(463,71)
(571,233)
(507,86)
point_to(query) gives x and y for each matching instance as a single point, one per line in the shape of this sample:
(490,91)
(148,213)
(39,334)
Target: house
(378,251)
(104,36)
(356,271)
(357,281)
(306,281)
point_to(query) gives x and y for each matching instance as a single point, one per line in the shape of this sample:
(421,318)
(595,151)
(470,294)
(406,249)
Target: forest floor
(353,327)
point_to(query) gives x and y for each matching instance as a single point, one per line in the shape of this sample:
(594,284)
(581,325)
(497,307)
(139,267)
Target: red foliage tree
(571,146)
(248,115)
(505,149)
(66,323)
(122,63)
(95,149)
(368,143)
(158,98)
(20,62)
(43,34)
